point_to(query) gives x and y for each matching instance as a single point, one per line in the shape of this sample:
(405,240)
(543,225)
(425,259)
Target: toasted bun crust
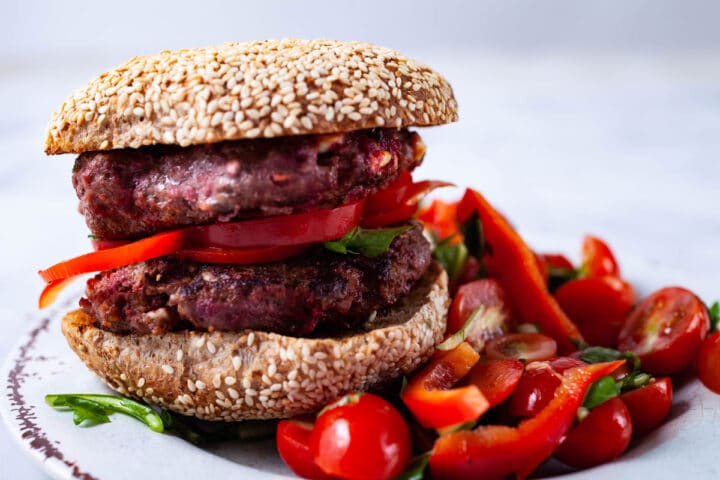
(254,375)
(248,90)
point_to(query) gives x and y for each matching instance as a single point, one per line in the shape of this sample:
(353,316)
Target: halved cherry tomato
(666,330)
(440,218)
(515,265)
(649,405)
(602,436)
(496,379)
(597,258)
(487,293)
(598,306)
(528,347)
(242,256)
(361,437)
(430,395)
(496,451)
(709,362)
(293,443)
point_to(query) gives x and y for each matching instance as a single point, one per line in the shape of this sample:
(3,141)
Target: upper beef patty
(316,291)
(133,193)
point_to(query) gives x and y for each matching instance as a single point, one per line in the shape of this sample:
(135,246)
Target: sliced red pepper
(431,398)
(440,218)
(398,203)
(497,451)
(51,291)
(516,266)
(152,247)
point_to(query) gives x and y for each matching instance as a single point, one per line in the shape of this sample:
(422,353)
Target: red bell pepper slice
(497,451)
(431,398)
(516,266)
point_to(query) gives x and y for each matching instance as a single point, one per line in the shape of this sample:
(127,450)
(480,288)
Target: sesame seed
(237,362)
(200,384)
(141,382)
(179,355)
(211,347)
(168,369)
(230,380)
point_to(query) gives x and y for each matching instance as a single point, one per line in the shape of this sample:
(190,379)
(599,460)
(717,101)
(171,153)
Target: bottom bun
(234,376)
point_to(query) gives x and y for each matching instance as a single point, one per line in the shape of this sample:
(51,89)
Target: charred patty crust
(319,291)
(132,193)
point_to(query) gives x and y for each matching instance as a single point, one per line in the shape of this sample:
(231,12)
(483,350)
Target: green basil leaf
(367,242)
(451,257)
(557,277)
(600,392)
(603,354)
(416,468)
(714,312)
(473,234)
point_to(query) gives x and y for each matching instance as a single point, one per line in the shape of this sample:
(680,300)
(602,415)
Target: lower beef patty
(133,193)
(317,292)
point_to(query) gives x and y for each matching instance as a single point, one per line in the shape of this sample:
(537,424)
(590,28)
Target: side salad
(541,359)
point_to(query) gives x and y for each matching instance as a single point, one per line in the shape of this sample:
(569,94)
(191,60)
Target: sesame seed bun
(253,375)
(249,90)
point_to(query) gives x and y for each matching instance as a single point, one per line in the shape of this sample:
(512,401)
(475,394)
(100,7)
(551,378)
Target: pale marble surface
(622,146)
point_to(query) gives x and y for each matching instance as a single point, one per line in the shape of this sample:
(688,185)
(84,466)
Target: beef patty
(132,193)
(317,292)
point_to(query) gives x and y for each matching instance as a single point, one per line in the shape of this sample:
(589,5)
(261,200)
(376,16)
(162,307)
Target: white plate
(42,363)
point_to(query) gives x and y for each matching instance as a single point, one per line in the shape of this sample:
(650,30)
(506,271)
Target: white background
(575,117)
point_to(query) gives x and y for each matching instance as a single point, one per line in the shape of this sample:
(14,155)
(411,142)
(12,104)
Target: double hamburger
(251,210)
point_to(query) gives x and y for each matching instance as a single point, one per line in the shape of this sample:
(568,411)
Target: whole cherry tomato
(598,306)
(361,437)
(597,258)
(538,384)
(496,379)
(666,330)
(534,390)
(709,362)
(649,405)
(293,444)
(602,436)
(528,347)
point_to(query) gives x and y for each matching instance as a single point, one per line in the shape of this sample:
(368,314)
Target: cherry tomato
(496,379)
(649,405)
(534,390)
(529,347)
(486,292)
(602,436)
(293,444)
(598,306)
(597,258)
(666,330)
(538,384)
(709,362)
(361,437)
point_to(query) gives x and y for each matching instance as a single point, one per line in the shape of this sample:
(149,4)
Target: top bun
(250,90)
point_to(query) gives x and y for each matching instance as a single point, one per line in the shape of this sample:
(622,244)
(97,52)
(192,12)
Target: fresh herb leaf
(92,237)
(96,407)
(416,468)
(367,242)
(714,312)
(600,392)
(603,354)
(451,256)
